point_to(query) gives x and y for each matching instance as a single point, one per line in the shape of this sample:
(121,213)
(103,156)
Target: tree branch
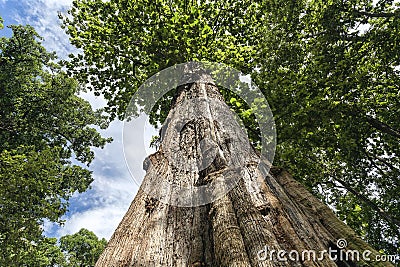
(378,15)
(377,124)
(382,126)
(390,219)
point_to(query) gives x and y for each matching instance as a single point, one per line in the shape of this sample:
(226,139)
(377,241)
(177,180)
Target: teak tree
(234,228)
(329,70)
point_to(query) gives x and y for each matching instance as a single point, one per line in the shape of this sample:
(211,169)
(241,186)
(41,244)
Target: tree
(332,86)
(331,75)
(82,248)
(43,123)
(161,228)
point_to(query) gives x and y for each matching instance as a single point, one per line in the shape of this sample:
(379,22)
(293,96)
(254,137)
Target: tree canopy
(44,125)
(331,74)
(329,69)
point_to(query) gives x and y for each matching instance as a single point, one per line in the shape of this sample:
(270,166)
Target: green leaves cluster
(125,42)
(43,124)
(329,69)
(82,248)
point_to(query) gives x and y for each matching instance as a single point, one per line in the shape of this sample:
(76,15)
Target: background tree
(82,248)
(43,124)
(329,70)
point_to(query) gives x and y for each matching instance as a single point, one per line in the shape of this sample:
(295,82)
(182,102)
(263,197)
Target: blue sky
(101,208)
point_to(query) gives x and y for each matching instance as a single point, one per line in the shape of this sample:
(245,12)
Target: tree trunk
(241,228)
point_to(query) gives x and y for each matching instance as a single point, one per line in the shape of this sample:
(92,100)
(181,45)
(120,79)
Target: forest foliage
(47,137)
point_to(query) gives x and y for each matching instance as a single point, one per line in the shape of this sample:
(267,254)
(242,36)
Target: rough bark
(274,211)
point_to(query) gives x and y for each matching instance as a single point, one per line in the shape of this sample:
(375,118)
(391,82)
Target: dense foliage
(122,51)
(329,69)
(43,125)
(82,248)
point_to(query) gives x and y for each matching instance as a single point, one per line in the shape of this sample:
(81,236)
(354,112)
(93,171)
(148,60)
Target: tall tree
(43,123)
(328,69)
(242,227)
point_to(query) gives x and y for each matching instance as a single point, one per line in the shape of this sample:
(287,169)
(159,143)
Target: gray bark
(280,213)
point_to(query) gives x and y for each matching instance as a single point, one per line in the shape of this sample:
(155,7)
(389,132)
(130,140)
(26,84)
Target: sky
(101,208)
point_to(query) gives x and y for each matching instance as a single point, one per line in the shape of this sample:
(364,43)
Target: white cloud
(57,3)
(101,208)
(108,201)
(95,101)
(43,16)
(102,221)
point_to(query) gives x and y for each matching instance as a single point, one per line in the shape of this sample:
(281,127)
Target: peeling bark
(274,211)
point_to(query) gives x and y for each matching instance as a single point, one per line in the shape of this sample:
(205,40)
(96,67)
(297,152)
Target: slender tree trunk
(238,229)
